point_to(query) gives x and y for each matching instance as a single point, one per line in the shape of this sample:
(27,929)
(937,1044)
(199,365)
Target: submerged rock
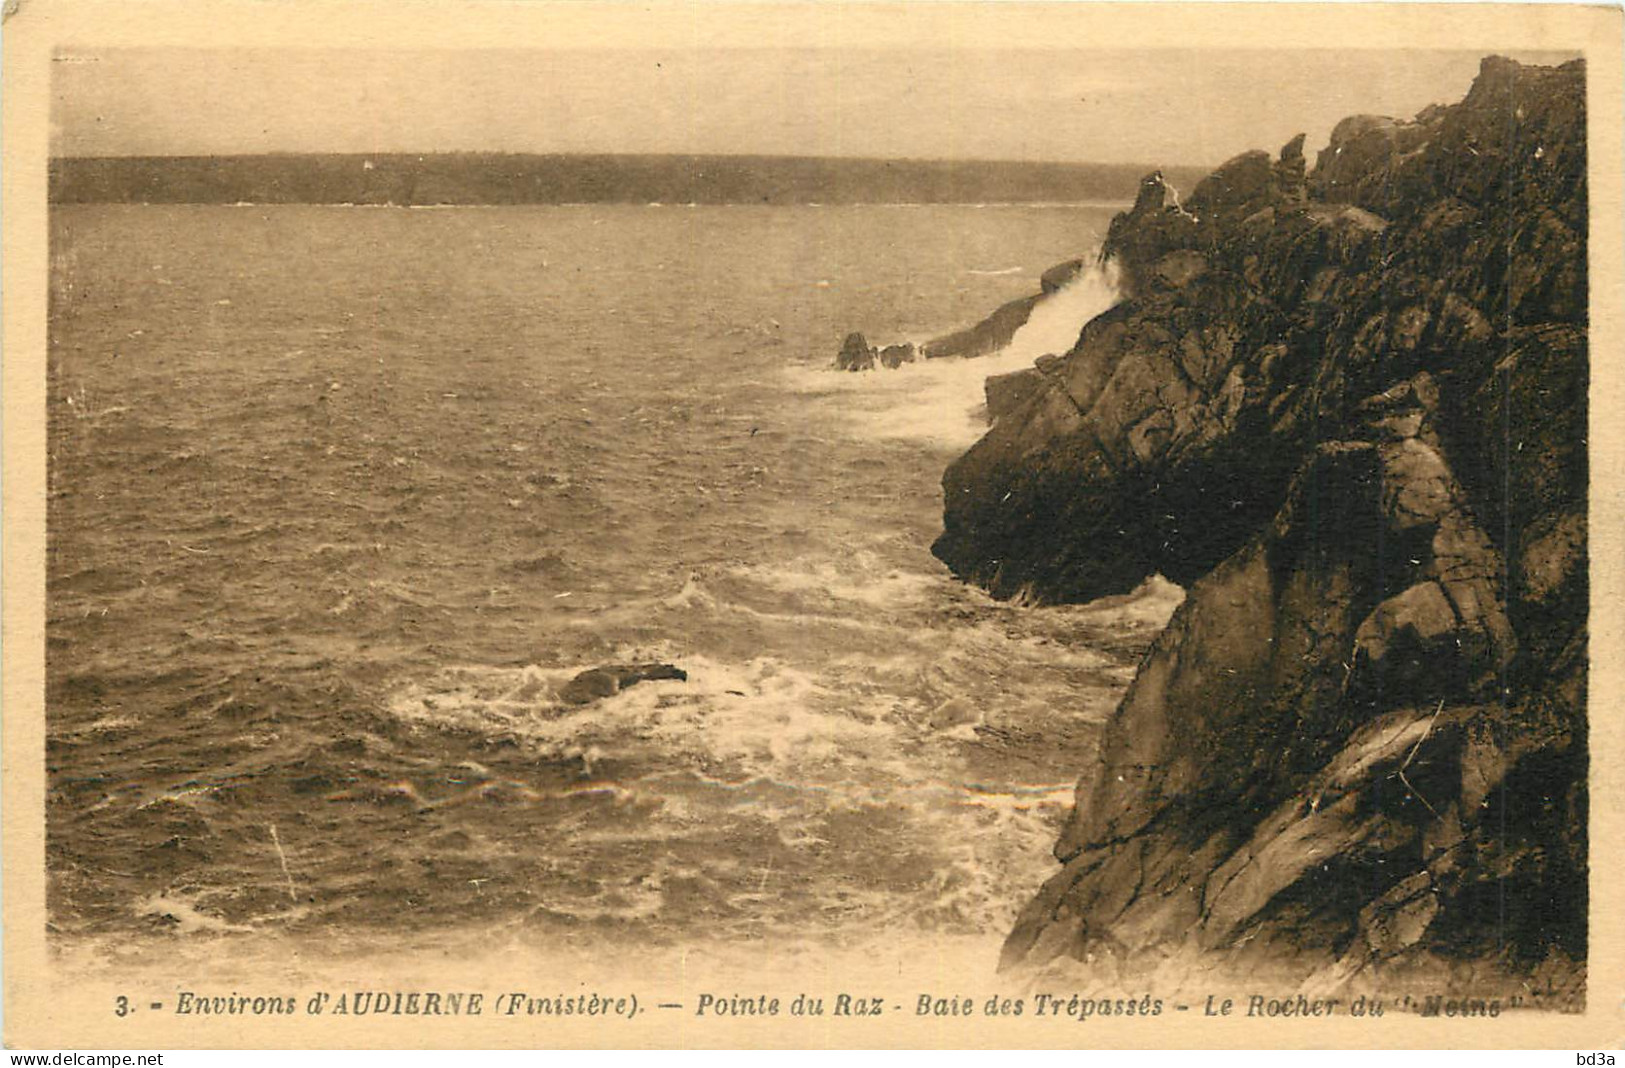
(1361,741)
(597,683)
(895,356)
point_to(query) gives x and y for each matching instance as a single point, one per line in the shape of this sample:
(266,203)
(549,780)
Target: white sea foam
(761,716)
(1059,318)
(941,402)
(857,579)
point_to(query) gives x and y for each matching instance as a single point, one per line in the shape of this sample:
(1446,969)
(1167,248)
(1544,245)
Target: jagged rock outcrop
(988,336)
(856,354)
(1347,409)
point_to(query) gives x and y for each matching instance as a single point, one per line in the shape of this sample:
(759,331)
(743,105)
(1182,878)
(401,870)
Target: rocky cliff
(1346,407)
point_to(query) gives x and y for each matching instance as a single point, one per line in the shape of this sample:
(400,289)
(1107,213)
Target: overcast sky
(1153,107)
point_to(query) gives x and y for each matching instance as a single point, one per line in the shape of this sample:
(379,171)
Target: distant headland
(471,178)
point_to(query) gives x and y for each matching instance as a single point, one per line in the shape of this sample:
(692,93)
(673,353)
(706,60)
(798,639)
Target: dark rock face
(895,356)
(989,335)
(856,354)
(1347,409)
(597,683)
(1006,393)
(1057,277)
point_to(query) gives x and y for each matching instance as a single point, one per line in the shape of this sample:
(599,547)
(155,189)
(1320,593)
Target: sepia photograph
(770,521)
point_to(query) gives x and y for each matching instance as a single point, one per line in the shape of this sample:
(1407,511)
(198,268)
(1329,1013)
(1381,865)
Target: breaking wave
(940,403)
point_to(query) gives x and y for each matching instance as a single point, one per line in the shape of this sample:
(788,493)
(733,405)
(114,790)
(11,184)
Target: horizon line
(776,156)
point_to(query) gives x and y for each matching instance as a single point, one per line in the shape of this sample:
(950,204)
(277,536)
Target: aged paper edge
(40,1011)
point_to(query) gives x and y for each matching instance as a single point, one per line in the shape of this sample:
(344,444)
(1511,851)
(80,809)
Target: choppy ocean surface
(339,498)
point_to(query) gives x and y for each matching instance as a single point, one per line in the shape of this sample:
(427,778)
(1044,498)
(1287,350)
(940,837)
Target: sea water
(340,497)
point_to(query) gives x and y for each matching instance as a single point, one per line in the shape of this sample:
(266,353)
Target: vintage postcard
(914,524)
